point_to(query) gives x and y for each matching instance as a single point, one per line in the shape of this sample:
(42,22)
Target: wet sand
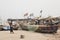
(28,35)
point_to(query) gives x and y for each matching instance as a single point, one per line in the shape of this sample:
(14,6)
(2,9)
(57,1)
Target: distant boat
(6,28)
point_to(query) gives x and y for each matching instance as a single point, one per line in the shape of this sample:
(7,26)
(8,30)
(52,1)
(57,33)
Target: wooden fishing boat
(44,26)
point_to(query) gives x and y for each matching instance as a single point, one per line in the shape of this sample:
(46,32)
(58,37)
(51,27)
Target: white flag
(41,11)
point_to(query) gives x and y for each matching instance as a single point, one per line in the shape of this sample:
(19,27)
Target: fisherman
(11,28)
(36,22)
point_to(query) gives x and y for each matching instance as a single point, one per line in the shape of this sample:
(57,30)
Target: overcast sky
(17,8)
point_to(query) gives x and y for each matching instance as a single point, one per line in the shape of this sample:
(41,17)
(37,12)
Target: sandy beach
(28,35)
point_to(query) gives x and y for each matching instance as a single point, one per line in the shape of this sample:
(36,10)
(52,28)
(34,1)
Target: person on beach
(11,28)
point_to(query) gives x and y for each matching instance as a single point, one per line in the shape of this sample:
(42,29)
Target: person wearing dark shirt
(11,28)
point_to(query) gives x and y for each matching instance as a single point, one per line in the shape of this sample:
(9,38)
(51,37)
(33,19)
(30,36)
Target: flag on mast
(26,14)
(41,11)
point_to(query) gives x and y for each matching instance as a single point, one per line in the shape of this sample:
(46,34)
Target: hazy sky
(17,8)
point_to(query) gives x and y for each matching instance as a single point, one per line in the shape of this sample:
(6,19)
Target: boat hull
(51,29)
(42,29)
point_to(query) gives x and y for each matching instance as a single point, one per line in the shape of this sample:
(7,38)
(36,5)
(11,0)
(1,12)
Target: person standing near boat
(11,28)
